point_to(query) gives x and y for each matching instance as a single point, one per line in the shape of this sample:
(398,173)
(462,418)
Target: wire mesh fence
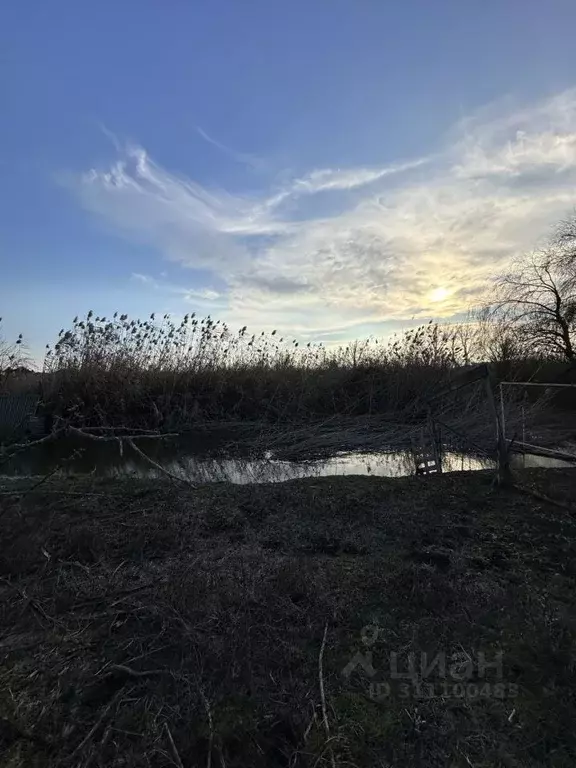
(17,412)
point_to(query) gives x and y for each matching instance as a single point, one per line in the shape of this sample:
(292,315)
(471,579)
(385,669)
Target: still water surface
(186,459)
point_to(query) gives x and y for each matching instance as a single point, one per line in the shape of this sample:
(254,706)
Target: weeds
(13,359)
(137,627)
(163,374)
(166,376)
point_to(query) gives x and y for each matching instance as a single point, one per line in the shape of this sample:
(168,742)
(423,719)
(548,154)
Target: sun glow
(439,294)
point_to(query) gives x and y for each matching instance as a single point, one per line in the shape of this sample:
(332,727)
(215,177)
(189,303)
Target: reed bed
(162,374)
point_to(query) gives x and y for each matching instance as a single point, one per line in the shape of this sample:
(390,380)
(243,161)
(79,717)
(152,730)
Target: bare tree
(564,237)
(497,338)
(464,342)
(538,297)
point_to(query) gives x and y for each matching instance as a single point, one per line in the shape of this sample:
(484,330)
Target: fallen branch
(157,466)
(52,472)
(17,448)
(115,438)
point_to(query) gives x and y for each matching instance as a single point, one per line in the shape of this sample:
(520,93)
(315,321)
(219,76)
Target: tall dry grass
(14,359)
(165,374)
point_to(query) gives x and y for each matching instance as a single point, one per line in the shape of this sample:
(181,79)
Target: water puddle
(396,464)
(194,459)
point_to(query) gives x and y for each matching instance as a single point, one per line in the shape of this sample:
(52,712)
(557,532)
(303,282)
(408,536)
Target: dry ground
(151,624)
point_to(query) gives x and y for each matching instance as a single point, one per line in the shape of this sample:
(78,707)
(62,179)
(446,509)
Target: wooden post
(504,475)
(435,440)
(502,413)
(524,398)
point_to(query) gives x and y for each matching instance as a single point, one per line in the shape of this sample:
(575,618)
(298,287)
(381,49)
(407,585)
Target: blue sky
(324,167)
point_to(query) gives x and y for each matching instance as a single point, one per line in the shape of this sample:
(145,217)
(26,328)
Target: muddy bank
(146,622)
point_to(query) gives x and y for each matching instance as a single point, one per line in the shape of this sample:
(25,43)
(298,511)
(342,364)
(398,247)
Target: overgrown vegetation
(122,371)
(143,623)
(166,374)
(13,359)
(148,623)
(170,375)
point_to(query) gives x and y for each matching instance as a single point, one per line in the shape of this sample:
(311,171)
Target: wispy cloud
(413,239)
(256,163)
(201,295)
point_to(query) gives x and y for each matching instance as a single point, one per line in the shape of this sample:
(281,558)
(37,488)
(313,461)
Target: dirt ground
(349,621)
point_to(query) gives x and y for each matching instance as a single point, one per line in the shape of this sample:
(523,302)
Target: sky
(328,168)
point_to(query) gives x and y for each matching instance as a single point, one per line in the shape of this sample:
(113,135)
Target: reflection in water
(273,471)
(397,464)
(187,460)
(527,460)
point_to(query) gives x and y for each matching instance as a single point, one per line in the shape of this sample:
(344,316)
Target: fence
(529,447)
(17,414)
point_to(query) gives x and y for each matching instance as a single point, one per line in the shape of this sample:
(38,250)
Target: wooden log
(538,450)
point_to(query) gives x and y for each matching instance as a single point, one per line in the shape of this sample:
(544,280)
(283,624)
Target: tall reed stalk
(166,374)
